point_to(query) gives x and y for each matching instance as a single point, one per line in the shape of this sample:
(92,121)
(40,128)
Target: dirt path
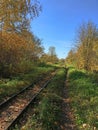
(67,122)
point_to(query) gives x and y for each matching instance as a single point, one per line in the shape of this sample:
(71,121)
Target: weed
(48,113)
(11,86)
(84,94)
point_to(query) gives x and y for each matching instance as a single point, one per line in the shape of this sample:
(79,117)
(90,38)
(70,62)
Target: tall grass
(83,89)
(11,86)
(48,113)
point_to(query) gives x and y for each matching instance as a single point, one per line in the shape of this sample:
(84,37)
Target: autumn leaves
(18,46)
(85,54)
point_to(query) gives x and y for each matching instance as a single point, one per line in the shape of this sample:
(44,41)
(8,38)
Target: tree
(16,52)
(52,51)
(44,58)
(86,52)
(87,35)
(37,51)
(12,50)
(71,58)
(17,44)
(15,15)
(52,55)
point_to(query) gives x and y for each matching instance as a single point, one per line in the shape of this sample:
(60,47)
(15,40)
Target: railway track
(10,98)
(12,110)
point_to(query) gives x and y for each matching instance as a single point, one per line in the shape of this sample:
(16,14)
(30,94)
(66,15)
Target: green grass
(9,87)
(48,113)
(83,89)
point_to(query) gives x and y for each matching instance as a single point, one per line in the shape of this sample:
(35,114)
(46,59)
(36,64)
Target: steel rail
(5,103)
(16,120)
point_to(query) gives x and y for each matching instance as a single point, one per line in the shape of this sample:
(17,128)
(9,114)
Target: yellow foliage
(14,48)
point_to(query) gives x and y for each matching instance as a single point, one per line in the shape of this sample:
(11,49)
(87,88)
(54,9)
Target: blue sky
(59,20)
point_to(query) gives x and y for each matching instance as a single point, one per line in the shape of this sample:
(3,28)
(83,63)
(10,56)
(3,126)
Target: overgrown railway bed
(12,110)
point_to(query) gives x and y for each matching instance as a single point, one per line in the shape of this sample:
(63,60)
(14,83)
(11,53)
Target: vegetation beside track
(83,88)
(48,113)
(10,86)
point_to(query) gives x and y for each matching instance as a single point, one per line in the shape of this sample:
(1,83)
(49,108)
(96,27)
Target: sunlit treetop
(15,15)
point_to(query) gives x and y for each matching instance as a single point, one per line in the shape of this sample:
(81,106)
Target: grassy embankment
(83,88)
(9,86)
(48,112)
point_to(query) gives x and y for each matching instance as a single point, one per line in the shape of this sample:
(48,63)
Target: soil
(68,119)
